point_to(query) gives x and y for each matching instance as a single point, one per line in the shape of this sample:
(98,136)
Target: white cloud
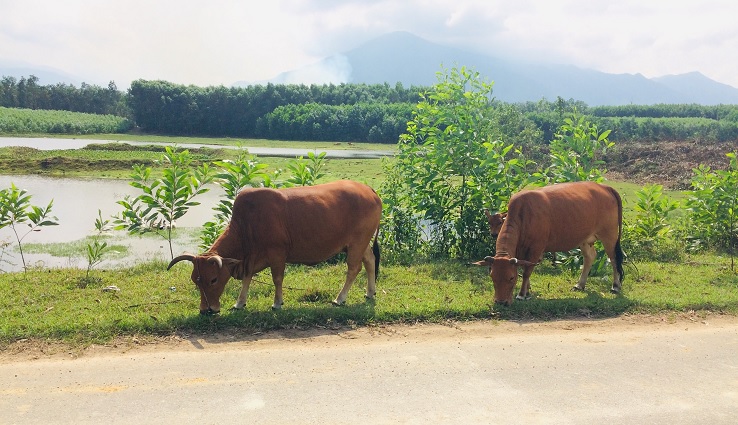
(223,41)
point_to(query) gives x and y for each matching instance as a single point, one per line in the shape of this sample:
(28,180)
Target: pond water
(42,143)
(76,204)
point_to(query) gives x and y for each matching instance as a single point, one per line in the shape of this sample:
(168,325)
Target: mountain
(408,59)
(46,75)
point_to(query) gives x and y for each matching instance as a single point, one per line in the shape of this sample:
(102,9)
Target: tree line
(344,112)
(27,93)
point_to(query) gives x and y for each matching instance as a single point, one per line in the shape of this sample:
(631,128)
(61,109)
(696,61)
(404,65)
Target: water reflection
(76,204)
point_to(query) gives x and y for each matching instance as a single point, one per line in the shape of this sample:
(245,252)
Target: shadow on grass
(325,319)
(251,325)
(593,305)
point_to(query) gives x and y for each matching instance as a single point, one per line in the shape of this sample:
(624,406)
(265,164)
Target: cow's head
(495,222)
(504,273)
(210,273)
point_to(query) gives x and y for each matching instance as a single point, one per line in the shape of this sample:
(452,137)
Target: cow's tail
(375,250)
(619,255)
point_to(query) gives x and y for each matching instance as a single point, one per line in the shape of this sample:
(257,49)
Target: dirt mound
(667,163)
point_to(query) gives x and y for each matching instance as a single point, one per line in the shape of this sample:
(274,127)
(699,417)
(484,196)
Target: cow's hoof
(577,288)
(615,291)
(276,307)
(209,312)
(236,308)
(338,303)
(523,297)
(369,297)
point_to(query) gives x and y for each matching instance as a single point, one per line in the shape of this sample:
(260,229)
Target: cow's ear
(235,267)
(521,263)
(487,262)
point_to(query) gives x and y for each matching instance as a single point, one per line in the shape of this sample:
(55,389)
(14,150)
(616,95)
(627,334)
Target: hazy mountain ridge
(408,59)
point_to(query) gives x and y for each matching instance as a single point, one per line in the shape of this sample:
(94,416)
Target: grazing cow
(300,225)
(556,218)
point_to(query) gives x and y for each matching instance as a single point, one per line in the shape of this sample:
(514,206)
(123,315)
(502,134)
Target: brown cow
(300,225)
(495,222)
(556,218)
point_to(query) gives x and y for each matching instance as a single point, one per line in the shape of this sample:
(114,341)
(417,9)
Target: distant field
(35,121)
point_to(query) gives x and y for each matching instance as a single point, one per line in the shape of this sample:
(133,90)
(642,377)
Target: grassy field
(151,301)
(60,305)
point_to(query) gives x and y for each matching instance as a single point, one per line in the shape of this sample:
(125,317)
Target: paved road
(619,371)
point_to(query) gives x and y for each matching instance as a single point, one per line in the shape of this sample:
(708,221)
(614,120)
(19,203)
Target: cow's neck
(507,242)
(222,246)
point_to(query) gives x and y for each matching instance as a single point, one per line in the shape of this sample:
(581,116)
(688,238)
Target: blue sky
(218,42)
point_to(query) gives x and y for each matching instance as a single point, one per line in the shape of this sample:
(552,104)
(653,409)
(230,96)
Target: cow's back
(310,223)
(563,215)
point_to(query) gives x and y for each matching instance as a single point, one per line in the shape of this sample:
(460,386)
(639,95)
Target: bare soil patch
(667,163)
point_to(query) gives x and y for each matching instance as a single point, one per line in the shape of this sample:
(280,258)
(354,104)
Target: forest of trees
(344,112)
(27,93)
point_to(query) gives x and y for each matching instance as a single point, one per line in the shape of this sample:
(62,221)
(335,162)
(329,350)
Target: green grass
(51,304)
(78,248)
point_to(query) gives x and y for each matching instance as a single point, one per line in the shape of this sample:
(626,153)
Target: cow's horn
(188,257)
(514,260)
(489,259)
(216,259)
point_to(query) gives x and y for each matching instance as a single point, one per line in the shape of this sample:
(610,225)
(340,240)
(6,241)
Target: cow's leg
(277,278)
(534,252)
(610,251)
(371,273)
(589,253)
(616,282)
(353,261)
(524,293)
(244,294)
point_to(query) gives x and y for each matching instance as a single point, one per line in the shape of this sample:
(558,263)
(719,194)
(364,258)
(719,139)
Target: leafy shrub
(713,204)
(16,210)
(166,199)
(648,235)
(450,167)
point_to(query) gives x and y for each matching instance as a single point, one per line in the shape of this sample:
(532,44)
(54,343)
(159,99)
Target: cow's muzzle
(505,303)
(209,312)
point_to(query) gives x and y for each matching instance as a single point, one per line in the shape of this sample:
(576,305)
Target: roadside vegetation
(148,300)
(460,152)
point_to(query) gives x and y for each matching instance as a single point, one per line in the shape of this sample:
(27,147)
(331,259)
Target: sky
(220,42)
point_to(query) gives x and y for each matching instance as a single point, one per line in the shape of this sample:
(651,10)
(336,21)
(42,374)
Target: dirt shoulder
(29,350)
